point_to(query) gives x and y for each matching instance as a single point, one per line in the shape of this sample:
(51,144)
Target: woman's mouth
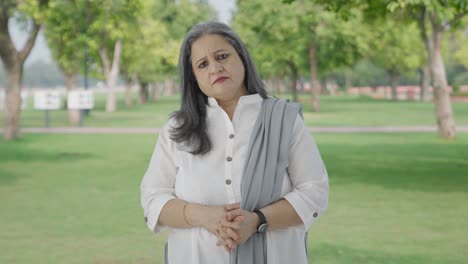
(220,79)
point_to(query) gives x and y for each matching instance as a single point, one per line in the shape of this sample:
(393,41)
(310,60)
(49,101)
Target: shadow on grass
(7,177)
(22,153)
(328,253)
(428,167)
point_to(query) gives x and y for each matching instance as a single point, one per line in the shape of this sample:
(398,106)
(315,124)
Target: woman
(229,186)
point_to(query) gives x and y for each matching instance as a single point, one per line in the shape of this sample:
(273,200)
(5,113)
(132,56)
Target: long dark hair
(190,128)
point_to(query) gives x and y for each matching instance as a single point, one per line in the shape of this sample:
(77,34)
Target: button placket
(229,158)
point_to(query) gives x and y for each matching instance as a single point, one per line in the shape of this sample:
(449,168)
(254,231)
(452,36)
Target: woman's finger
(230,224)
(232,214)
(219,243)
(230,207)
(234,236)
(222,233)
(230,244)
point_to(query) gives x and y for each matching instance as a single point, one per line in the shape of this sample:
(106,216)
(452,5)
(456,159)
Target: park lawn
(394,198)
(343,110)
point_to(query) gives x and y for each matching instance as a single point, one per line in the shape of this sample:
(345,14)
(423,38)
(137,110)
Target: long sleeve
(157,186)
(308,175)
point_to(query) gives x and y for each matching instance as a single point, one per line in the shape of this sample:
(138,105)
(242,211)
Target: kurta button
(146,219)
(231,136)
(315,215)
(228,181)
(228,159)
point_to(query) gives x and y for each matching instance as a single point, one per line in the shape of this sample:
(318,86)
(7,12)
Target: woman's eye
(222,56)
(202,65)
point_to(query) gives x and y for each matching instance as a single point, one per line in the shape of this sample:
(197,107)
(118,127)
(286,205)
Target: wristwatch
(263,226)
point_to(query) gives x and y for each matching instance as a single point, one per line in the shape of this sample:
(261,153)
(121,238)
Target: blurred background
(86,84)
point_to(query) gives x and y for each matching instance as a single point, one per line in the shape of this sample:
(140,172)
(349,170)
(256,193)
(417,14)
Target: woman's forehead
(209,44)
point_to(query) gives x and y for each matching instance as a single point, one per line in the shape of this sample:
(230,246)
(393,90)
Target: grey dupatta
(266,163)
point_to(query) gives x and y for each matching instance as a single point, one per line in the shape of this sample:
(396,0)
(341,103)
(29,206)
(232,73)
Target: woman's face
(218,68)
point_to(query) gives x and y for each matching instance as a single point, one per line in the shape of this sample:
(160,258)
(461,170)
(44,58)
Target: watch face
(262,228)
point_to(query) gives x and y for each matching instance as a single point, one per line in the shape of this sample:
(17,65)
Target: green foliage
(279,34)
(271,32)
(66,33)
(152,47)
(35,9)
(396,46)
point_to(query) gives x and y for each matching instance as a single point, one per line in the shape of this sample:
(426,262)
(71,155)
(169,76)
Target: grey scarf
(264,169)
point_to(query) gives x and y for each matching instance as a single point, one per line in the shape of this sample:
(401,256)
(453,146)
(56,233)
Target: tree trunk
(315,86)
(143,93)
(73,114)
(128,90)
(128,93)
(424,82)
(276,85)
(282,86)
(111,72)
(425,71)
(293,80)
(168,87)
(347,79)
(13,61)
(323,86)
(443,105)
(156,92)
(394,80)
(11,116)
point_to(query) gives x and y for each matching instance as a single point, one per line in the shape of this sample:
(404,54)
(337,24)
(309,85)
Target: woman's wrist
(192,214)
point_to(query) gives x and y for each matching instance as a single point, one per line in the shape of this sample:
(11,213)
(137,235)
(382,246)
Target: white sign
(46,100)
(24,100)
(83,99)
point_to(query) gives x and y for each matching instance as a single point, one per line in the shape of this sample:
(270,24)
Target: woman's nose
(216,68)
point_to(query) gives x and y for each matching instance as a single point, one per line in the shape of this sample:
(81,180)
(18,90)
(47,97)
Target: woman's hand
(236,227)
(207,216)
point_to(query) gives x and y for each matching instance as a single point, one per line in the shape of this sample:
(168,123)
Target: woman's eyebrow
(212,52)
(219,50)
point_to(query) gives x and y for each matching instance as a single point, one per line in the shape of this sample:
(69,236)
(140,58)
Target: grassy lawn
(395,198)
(342,110)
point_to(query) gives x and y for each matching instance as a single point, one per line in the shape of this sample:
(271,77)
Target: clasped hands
(234,227)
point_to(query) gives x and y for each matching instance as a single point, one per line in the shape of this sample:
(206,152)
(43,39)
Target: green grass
(342,110)
(394,198)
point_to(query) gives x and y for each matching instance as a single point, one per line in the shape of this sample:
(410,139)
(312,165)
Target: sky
(42,52)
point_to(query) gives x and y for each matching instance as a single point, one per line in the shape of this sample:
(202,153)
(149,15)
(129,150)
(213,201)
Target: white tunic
(214,179)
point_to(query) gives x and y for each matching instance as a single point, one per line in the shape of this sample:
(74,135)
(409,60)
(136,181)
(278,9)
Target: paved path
(143,130)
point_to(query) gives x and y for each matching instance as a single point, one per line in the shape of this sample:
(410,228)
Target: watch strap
(261,216)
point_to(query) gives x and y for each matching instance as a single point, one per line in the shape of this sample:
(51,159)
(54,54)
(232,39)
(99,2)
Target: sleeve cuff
(307,213)
(154,211)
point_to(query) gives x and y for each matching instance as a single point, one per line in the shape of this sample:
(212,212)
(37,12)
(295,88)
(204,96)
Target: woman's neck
(229,106)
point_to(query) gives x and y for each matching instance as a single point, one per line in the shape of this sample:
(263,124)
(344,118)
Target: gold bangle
(183,214)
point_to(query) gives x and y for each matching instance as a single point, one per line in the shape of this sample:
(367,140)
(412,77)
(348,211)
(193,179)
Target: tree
(301,36)
(272,33)
(396,48)
(179,17)
(148,47)
(33,13)
(109,24)
(436,17)
(152,48)
(65,33)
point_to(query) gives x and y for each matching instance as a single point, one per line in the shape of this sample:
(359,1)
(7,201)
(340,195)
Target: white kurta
(214,179)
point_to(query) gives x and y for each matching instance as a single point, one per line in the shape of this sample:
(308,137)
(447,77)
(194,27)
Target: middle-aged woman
(235,176)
